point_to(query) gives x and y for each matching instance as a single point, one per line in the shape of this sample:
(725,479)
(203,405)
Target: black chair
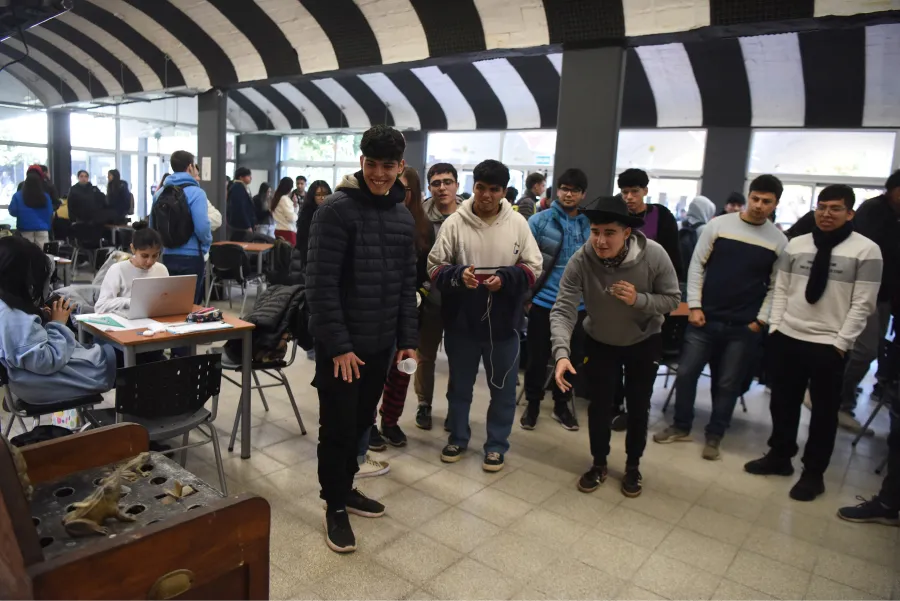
(230,265)
(51,248)
(19,408)
(168,398)
(89,240)
(124,236)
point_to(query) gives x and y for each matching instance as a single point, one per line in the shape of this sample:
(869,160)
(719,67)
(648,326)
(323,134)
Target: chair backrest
(88,235)
(170,388)
(228,259)
(51,248)
(124,235)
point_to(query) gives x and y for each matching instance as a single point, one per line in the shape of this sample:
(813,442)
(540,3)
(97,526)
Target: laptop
(159,297)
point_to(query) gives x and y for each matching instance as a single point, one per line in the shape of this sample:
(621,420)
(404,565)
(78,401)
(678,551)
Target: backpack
(687,240)
(281,256)
(171,216)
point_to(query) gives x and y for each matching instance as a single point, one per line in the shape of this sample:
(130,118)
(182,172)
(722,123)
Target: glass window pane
(796,201)
(469,148)
(96,164)
(311,174)
(17,125)
(675,194)
(529,148)
(308,148)
(229,146)
(856,153)
(348,147)
(14,160)
(662,149)
(92,131)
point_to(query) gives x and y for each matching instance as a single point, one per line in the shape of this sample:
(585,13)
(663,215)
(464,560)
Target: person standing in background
(265,222)
(282,208)
(239,211)
(119,200)
(298,194)
(734,204)
(319,190)
(535,185)
(33,209)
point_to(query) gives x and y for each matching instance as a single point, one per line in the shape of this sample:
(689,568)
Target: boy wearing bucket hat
(628,284)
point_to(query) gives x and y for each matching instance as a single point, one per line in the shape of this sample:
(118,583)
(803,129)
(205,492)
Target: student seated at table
(44,361)
(146,249)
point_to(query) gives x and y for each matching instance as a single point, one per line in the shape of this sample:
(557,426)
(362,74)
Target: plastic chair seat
(36,409)
(159,429)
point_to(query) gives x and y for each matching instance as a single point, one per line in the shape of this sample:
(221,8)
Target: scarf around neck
(614,262)
(818,274)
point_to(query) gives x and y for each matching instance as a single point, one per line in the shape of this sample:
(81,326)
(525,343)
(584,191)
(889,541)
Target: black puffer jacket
(361,271)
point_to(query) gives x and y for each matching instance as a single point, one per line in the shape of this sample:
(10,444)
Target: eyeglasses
(567,190)
(437,183)
(830,210)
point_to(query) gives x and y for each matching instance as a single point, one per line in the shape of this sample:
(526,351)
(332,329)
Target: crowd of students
(389,276)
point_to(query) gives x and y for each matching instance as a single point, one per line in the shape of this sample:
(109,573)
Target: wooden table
(133,342)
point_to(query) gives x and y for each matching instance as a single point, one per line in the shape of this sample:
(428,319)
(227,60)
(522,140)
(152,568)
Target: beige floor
(700,530)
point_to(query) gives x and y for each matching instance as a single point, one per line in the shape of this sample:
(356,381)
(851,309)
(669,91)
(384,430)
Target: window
(96,164)
(348,148)
(311,174)
(675,194)
(460,149)
(308,148)
(23,126)
(661,150)
(92,131)
(14,160)
(534,148)
(862,154)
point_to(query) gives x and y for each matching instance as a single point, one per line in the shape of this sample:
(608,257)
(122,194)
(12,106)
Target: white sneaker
(372,467)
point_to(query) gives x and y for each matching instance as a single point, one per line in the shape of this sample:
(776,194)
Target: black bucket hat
(613,207)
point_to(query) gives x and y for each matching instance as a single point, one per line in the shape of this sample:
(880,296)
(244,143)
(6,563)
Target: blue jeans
(188,265)
(729,348)
(501,365)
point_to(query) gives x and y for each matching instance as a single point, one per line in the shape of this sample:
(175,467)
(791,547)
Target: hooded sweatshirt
(609,320)
(700,211)
(437,219)
(504,247)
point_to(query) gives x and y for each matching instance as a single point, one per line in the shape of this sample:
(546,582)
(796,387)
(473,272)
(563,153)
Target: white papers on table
(192,328)
(105,322)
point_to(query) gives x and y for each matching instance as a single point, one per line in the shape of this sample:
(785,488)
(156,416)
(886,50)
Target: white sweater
(839,317)
(285,217)
(115,291)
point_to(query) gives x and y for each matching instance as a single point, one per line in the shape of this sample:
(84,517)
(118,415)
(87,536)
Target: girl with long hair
(282,208)
(118,197)
(33,208)
(265,222)
(146,249)
(42,358)
(316,193)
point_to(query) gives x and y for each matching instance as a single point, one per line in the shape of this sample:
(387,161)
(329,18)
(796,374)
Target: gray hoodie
(609,320)
(699,212)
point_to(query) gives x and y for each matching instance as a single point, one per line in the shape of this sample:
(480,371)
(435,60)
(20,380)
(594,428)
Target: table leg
(81,336)
(130,356)
(207,277)
(246,359)
(259,263)
(67,274)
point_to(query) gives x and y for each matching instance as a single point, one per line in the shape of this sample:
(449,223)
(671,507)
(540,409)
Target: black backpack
(171,216)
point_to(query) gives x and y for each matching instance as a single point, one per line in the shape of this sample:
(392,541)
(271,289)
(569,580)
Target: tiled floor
(700,530)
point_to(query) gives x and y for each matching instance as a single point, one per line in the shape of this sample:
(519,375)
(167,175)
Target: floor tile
(823,588)
(362,579)
(513,555)
(554,531)
(416,558)
(408,469)
(310,559)
(675,579)
(293,450)
(378,487)
(728,590)
(862,541)
(471,466)
(420,595)
(659,505)
(571,579)
(856,573)
(793,523)
(783,548)
(636,527)
(268,434)
(288,483)
(769,576)
(731,503)
(257,466)
(585,508)
(632,591)
(373,533)
(611,554)
(412,507)
(527,486)
(698,550)
(459,530)
(496,506)
(469,579)
(448,487)
(717,525)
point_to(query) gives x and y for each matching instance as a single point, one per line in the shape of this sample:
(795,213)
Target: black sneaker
(770,465)
(423,417)
(338,534)
(619,422)
(631,482)
(867,512)
(563,415)
(808,487)
(376,442)
(451,453)
(393,435)
(360,504)
(493,462)
(529,416)
(592,479)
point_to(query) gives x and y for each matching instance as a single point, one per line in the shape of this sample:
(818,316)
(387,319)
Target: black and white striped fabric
(110,48)
(822,79)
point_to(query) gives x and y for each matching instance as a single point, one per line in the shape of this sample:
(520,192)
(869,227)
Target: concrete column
(59,149)
(260,152)
(725,162)
(211,129)
(415,155)
(590,107)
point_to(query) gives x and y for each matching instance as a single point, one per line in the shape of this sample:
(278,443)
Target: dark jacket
(665,234)
(276,318)
(876,220)
(804,225)
(119,202)
(84,202)
(361,271)
(239,208)
(527,204)
(261,211)
(304,221)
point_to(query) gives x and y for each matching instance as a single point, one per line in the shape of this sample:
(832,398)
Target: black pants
(794,365)
(539,355)
(604,364)
(346,410)
(890,488)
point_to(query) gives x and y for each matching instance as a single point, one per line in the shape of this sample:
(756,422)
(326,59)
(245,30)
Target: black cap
(612,207)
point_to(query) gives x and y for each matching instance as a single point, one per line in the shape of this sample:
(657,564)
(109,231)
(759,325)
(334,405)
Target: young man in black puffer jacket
(361,291)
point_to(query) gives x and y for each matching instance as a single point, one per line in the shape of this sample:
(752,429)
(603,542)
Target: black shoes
(423,417)
(808,487)
(563,415)
(530,415)
(360,504)
(631,483)
(338,534)
(770,465)
(393,435)
(451,453)
(376,442)
(619,422)
(493,462)
(593,478)
(870,512)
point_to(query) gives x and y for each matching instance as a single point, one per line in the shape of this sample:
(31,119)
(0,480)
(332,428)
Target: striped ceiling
(109,48)
(823,79)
